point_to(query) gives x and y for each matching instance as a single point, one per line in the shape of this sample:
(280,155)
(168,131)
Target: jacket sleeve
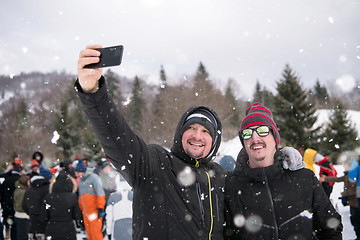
(109,216)
(24,204)
(127,152)
(100,193)
(335,179)
(326,221)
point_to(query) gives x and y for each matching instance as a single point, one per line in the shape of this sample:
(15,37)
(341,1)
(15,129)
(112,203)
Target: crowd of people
(64,200)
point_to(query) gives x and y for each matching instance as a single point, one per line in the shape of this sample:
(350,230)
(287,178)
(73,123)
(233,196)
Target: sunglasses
(262,131)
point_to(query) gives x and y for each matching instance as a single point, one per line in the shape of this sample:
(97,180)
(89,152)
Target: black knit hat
(204,118)
(258,115)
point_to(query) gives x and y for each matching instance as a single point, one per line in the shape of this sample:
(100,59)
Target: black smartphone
(110,56)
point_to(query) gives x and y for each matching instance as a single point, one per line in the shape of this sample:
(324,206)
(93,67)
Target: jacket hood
(177,148)
(63,183)
(40,154)
(38,181)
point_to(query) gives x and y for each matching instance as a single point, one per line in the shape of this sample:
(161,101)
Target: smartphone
(110,56)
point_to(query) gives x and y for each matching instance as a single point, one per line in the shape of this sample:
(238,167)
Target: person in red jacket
(326,169)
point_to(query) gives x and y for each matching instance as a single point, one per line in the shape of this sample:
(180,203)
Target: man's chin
(195,156)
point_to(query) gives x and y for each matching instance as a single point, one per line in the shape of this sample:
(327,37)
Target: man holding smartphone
(164,206)
(178,194)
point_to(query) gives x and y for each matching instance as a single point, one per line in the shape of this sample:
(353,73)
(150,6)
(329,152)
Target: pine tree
(91,147)
(69,137)
(340,134)
(233,104)
(113,85)
(159,106)
(160,110)
(263,96)
(201,71)
(137,106)
(294,114)
(22,116)
(163,78)
(321,95)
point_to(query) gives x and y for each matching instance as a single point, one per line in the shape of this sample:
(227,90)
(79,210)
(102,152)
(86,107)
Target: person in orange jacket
(91,201)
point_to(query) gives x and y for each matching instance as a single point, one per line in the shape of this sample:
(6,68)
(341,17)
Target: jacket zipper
(271,205)
(211,210)
(202,211)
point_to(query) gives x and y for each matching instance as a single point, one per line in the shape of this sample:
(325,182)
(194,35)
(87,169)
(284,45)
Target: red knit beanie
(258,115)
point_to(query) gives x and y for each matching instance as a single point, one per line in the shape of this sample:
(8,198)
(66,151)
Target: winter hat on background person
(80,167)
(34,163)
(63,183)
(259,115)
(45,173)
(103,162)
(17,166)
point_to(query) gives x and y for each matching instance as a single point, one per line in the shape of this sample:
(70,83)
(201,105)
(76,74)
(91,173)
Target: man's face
(107,169)
(79,174)
(196,141)
(261,150)
(35,169)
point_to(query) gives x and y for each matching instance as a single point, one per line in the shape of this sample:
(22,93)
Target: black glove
(101,212)
(109,236)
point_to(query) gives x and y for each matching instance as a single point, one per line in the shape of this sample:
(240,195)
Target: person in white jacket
(119,211)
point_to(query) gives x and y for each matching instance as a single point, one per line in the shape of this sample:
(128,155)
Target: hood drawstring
(197,164)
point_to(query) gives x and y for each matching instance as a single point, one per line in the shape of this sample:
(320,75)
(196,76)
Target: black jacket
(162,207)
(61,209)
(33,203)
(7,189)
(278,204)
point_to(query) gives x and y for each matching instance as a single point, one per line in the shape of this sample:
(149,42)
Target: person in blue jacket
(354,175)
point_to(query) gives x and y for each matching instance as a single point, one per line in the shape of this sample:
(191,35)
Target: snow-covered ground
(348,232)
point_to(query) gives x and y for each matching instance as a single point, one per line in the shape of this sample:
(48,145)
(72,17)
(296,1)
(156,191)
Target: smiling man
(178,194)
(265,201)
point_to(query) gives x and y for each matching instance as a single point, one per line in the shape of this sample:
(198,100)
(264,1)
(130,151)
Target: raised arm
(126,151)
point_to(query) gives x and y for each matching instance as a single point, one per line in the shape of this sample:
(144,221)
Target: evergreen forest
(41,112)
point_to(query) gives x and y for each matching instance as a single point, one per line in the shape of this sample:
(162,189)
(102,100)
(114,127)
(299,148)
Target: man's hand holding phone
(89,77)
(92,60)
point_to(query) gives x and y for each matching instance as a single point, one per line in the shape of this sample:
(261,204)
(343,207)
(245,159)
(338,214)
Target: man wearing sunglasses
(265,201)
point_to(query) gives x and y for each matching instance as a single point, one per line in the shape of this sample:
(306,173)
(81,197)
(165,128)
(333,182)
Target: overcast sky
(243,40)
